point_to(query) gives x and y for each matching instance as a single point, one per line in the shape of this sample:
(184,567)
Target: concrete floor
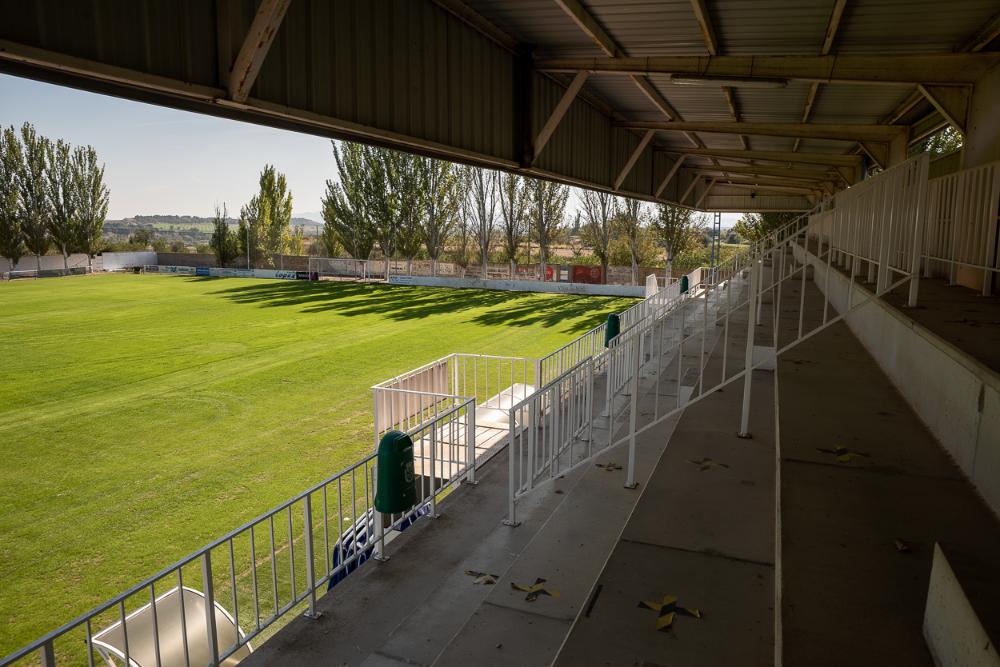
(431,611)
(771,518)
(849,595)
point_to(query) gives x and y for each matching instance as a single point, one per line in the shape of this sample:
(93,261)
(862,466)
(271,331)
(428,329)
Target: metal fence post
(379,547)
(744,431)
(310,565)
(630,482)
(47,655)
(511,519)
(918,233)
(470,440)
(209,590)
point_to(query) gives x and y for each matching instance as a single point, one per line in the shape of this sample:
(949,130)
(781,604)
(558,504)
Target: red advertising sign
(587,274)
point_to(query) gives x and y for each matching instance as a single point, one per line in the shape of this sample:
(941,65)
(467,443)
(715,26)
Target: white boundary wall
(955,396)
(49,263)
(522,286)
(216,272)
(116,261)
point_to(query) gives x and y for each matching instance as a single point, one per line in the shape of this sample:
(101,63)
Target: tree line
(51,194)
(405,205)
(265,225)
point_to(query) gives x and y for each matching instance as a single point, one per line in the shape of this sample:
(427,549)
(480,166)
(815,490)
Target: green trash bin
(684,284)
(613,328)
(395,485)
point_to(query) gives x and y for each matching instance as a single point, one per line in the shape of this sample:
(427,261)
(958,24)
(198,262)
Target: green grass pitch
(143,416)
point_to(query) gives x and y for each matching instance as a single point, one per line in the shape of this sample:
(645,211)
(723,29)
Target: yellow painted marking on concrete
(667,611)
(534,590)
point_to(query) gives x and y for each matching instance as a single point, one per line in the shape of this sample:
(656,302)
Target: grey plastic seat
(139,627)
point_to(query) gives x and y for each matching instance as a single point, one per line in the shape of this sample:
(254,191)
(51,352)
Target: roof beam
(727,91)
(477,21)
(703,194)
(705,23)
(633,158)
(690,187)
(761,187)
(670,175)
(606,43)
(827,186)
(984,36)
(841,132)
(833,25)
(557,115)
(663,105)
(834,159)
(256,44)
(952,102)
(781,172)
(589,25)
(945,68)
(831,33)
(879,153)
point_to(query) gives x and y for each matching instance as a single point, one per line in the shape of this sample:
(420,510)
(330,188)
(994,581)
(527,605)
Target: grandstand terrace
(796,460)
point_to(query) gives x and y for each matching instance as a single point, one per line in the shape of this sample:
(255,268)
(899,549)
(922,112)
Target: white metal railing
(279,561)
(961,224)
(411,398)
(652,285)
(269,566)
(550,432)
(879,222)
(572,353)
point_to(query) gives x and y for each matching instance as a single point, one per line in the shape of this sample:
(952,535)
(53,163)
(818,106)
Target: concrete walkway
(703,532)
(858,531)
(430,611)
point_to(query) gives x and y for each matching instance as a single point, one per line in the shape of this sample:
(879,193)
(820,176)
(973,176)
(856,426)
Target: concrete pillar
(982,137)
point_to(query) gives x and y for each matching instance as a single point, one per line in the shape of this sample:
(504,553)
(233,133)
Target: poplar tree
(630,220)
(63,200)
(224,241)
(34,201)
(514,203)
(265,221)
(11,231)
(346,219)
(441,209)
(598,230)
(407,192)
(378,202)
(677,229)
(483,190)
(548,201)
(92,198)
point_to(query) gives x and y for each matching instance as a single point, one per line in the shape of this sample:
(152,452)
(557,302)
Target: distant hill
(191,223)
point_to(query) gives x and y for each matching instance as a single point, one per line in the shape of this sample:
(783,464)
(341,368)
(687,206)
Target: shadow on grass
(399,302)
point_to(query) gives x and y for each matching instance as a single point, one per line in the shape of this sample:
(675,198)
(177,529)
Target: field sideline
(142,416)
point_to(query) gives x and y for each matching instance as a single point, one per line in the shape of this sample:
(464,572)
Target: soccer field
(142,416)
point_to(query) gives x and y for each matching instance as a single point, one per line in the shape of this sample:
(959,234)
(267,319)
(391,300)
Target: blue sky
(160,160)
(164,161)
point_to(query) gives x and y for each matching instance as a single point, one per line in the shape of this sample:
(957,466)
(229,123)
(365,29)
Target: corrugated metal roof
(760,27)
(411,74)
(911,26)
